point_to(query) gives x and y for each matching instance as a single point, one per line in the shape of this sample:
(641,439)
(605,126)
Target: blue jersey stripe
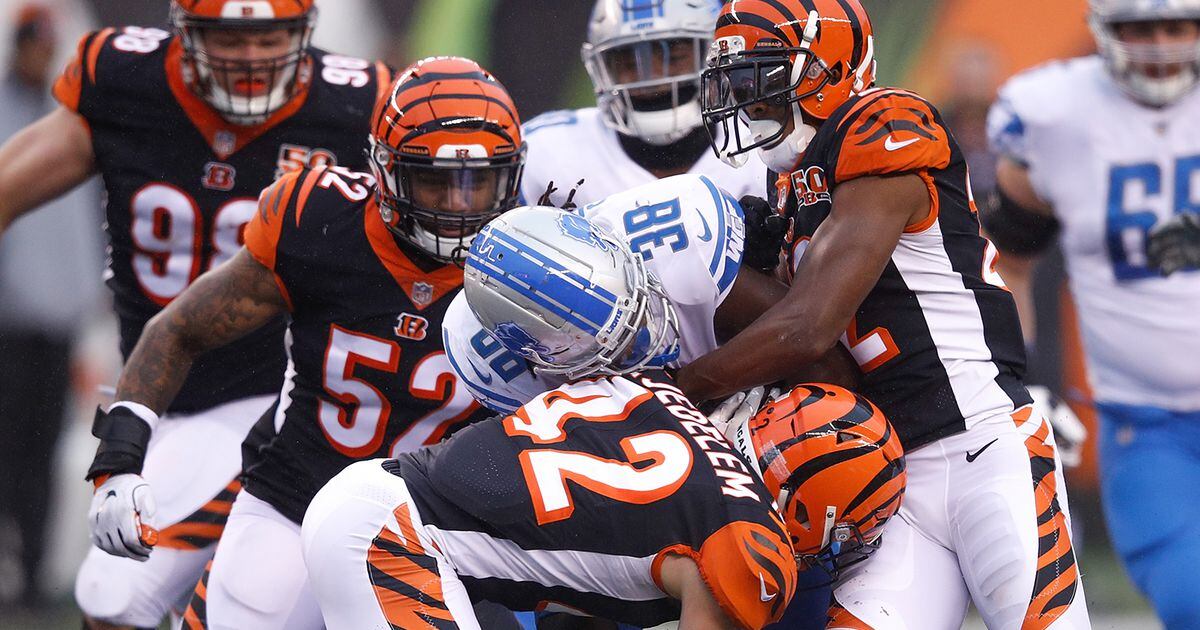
(719,204)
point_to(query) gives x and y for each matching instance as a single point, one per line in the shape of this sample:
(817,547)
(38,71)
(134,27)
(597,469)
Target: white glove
(739,407)
(1069,432)
(119,507)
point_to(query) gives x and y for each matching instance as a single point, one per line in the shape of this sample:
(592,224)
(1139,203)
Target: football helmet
(447,151)
(644,58)
(569,297)
(1156,74)
(835,467)
(245,91)
(782,67)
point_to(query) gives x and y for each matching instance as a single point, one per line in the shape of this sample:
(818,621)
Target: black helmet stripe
(790,18)
(456,121)
(440,97)
(856,27)
(755,21)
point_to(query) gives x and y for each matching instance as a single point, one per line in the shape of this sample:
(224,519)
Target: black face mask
(682,153)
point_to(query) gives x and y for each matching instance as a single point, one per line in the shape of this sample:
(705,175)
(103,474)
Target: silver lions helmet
(567,296)
(1156,73)
(645,58)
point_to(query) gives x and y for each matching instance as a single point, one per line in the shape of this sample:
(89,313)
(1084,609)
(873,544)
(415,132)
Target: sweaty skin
(42,162)
(844,260)
(219,307)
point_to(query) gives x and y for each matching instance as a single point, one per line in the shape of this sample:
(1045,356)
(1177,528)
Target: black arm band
(123,439)
(1016,229)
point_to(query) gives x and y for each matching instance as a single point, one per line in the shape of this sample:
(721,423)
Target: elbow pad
(1016,229)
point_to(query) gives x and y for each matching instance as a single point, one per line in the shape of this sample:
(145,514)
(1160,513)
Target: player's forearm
(772,348)
(221,307)
(1017,272)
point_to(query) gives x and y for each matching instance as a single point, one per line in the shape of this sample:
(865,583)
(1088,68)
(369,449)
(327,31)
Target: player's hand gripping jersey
(649,475)
(366,375)
(690,234)
(182,182)
(937,338)
(1113,169)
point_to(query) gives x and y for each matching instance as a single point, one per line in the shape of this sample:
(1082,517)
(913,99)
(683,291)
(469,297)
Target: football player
(689,235)
(363,267)
(1102,155)
(644,59)
(409,542)
(886,258)
(186,128)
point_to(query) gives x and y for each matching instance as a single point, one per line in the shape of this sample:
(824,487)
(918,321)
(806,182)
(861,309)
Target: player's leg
(257,578)
(1146,457)
(372,563)
(913,579)
(1010,525)
(190,464)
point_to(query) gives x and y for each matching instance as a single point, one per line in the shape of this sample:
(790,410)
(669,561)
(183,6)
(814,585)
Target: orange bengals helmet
(245,89)
(446,148)
(780,67)
(835,467)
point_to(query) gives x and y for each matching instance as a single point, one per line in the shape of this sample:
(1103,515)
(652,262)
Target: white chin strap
(786,153)
(665,126)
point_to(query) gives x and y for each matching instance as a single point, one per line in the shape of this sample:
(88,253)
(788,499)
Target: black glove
(1175,244)
(765,231)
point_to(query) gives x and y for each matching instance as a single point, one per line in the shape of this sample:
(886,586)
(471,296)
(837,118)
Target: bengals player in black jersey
(611,495)
(186,128)
(363,266)
(886,257)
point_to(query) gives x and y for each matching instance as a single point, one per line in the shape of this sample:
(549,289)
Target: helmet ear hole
(844,436)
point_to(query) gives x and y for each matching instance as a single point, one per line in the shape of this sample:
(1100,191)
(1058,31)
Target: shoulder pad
(888,131)
(1043,97)
(104,59)
(266,226)
(751,571)
(342,72)
(556,118)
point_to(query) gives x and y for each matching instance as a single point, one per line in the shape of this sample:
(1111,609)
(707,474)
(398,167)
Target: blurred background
(954,52)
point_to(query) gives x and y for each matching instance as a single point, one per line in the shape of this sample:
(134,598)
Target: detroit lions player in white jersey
(689,233)
(1103,152)
(644,58)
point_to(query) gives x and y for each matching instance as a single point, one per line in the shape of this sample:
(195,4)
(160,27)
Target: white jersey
(569,145)
(1112,169)
(689,232)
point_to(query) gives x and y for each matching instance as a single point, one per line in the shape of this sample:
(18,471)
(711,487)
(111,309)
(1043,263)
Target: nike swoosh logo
(972,456)
(487,379)
(707,236)
(762,594)
(892,145)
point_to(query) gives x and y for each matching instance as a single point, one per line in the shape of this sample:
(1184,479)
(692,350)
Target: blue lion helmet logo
(519,341)
(581,230)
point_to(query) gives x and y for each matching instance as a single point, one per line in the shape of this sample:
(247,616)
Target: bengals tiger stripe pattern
(203,527)
(406,581)
(1057,577)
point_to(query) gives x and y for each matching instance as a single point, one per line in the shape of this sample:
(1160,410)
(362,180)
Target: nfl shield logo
(223,143)
(422,294)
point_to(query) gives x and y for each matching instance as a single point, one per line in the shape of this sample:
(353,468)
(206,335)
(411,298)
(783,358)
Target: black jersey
(181,182)
(937,338)
(573,502)
(367,375)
